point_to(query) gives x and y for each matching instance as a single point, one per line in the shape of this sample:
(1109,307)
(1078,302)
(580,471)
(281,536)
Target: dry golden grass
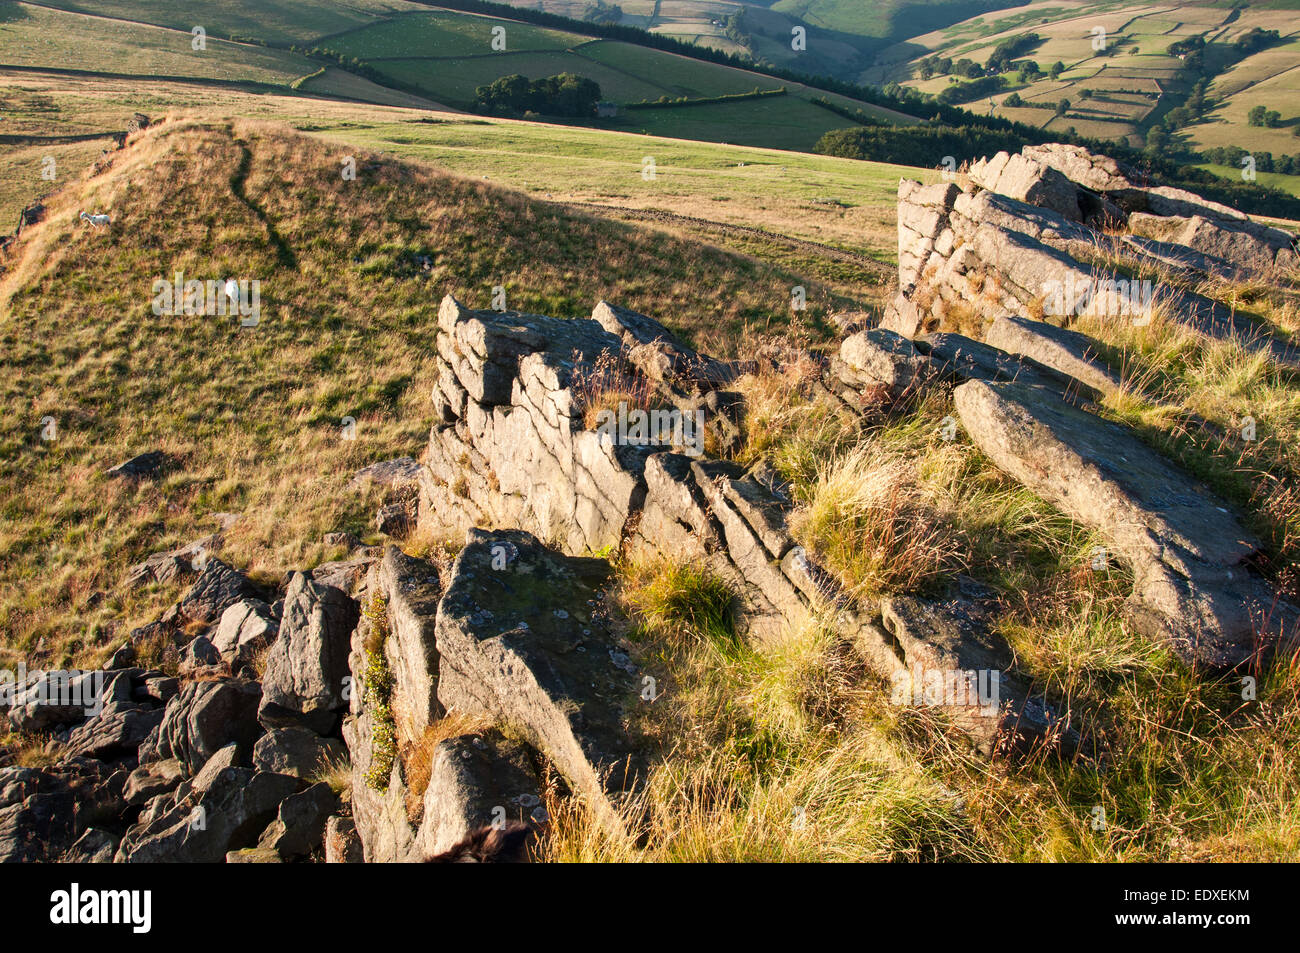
(253,416)
(417,755)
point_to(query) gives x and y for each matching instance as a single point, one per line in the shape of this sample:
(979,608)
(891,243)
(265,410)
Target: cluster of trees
(969,92)
(924,146)
(1191,44)
(517,95)
(1254,40)
(1060,106)
(933,66)
(1000,59)
(733,27)
(1264,161)
(1263,116)
(351,64)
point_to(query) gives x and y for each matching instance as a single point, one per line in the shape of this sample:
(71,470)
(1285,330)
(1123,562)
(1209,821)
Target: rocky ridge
(465,695)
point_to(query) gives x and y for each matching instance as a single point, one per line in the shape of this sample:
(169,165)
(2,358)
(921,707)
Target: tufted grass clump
(686,599)
(757,754)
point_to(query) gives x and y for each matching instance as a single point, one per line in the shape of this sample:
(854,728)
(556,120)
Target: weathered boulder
(660,354)
(342,845)
(298,752)
(43,811)
(217,588)
(476,780)
(880,358)
(200,657)
(1192,587)
(203,719)
(224,810)
(174,563)
(346,574)
(116,732)
(1098,173)
(958,358)
(245,627)
(1028,180)
(395,519)
(299,826)
(969,255)
(149,464)
(148,781)
(49,699)
(306,675)
(95,846)
(521,644)
(951,659)
(36,829)
(1248,249)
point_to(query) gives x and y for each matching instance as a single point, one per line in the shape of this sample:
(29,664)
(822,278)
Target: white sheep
(96,220)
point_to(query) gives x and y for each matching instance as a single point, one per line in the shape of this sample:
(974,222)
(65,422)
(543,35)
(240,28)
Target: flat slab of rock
(402,471)
(952,659)
(1061,349)
(1192,587)
(115,733)
(960,358)
(521,643)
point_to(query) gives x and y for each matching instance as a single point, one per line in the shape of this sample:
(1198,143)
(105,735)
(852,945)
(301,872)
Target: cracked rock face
(523,642)
(1021,239)
(307,668)
(202,719)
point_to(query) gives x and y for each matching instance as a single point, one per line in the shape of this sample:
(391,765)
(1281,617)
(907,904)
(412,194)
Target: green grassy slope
(35,36)
(437,55)
(447,56)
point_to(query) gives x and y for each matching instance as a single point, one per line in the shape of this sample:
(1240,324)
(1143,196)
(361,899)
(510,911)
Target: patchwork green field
(945,534)
(425,56)
(1117,75)
(448,56)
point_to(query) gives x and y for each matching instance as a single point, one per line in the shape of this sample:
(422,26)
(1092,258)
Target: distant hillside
(380,51)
